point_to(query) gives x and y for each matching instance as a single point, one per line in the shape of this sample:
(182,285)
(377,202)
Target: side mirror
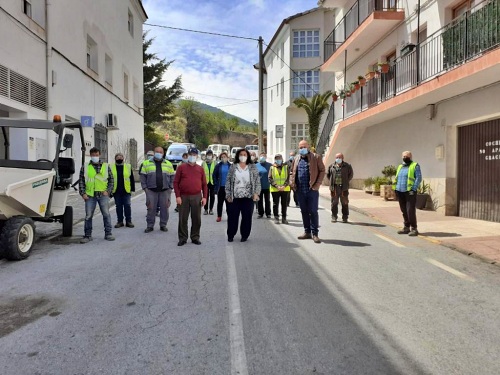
(68,141)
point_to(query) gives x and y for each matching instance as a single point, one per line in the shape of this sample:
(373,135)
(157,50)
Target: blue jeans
(90,206)
(122,202)
(308,203)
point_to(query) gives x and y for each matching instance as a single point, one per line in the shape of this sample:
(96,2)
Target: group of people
(244,185)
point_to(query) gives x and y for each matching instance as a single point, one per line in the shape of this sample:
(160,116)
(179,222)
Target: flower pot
(362,82)
(357,86)
(387,193)
(369,75)
(335,98)
(348,94)
(384,68)
(422,201)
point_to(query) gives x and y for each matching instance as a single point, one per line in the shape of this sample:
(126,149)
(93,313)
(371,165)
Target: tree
(314,109)
(159,100)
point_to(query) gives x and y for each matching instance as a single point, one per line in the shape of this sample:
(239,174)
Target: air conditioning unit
(112,120)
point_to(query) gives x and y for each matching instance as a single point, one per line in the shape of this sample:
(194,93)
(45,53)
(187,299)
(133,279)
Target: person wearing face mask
(190,187)
(407,180)
(208,166)
(124,184)
(253,157)
(340,174)
(289,164)
(220,175)
(157,182)
(306,177)
(264,204)
(279,178)
(185,157)
(95,186)
(242,190)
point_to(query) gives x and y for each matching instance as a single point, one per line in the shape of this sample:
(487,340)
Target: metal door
(479,171)
(101,140)
(41,148)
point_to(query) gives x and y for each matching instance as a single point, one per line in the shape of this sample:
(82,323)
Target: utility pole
(261,96)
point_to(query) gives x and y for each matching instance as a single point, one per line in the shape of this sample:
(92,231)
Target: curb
(432,240)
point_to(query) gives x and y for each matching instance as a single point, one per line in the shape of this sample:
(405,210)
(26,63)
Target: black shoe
(405,230)
(211,212)
(164,229)
(268,216)
(244,239)
(119,224)
(130,225)
(413,232)
(284,221)
(205,212)
(181,243)
(148,229)
(260,216)
(196,242)
(276,220)
(230,239)
(344,220)
(334,219)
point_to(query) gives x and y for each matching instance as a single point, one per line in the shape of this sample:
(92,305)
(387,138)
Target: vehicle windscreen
(176,151)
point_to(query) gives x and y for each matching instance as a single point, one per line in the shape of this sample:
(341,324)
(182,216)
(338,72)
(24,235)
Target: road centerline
(453,271)
(236,338)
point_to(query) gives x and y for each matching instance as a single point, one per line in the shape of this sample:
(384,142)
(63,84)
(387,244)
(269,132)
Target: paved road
(365,301)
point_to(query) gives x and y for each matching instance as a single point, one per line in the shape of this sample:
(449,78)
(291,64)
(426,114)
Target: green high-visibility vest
(411,176)
(150,167)
(127,171)
(279,178)
(209,172)
(95,182)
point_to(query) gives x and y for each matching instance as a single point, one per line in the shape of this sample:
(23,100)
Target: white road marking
(389,240)
(449,269)
(237,342)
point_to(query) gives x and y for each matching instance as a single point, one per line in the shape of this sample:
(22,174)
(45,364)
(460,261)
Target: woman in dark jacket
(220,174)
(242,190)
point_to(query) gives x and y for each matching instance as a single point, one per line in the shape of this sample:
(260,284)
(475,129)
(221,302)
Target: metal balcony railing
(354,17)
(463,39)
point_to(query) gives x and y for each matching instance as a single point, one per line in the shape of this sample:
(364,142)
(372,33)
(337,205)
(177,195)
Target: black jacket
(346,173)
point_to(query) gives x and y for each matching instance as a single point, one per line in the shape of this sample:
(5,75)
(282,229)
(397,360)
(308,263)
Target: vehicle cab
(174,153)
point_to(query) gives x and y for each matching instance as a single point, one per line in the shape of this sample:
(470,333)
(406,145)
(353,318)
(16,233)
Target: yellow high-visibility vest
(411,176)
(95,182)
(209,172)
(127,171)
(279,178)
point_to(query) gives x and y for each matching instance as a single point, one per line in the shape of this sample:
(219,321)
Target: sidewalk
(472,237)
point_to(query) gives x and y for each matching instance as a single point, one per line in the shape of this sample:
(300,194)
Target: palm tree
(314,109)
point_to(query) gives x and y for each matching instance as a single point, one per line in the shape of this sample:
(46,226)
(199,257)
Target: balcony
(460,57)
(363,26)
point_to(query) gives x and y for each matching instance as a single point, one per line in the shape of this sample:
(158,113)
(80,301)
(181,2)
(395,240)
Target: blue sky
(216,65)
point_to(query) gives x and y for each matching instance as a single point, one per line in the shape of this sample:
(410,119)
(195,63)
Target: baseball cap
(193,151)
(151,152)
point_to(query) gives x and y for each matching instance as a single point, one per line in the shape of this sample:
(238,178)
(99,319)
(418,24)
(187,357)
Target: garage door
(479,171)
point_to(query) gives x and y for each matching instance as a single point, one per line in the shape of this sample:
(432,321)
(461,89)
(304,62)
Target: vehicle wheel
(17,237)
(67,222)
(2,253)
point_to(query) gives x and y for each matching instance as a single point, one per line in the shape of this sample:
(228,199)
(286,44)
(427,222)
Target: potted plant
(335,96)
(356,85)
(423,195)
(377,183)
(342,94)
(386,191)
(383,67)
(362,81)
(368,184)
(370,75)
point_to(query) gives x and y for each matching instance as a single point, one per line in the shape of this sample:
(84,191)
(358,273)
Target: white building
(81,59)
(292,64)
(439,98)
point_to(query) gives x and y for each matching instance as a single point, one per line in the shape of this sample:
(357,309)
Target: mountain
(243,122)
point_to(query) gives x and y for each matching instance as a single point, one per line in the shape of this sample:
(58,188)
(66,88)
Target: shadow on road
(368,224)
(346,243)
(440,234)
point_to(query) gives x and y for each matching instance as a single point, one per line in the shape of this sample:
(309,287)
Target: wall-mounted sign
(87,121)
(279,131)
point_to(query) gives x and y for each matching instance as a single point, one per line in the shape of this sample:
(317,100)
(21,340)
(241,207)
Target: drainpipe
(345,82)
(417,54)
(51,141)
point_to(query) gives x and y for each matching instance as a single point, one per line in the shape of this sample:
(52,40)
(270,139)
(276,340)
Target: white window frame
(125,86)
(108,69)
(298,132)
(28,8)
(282,54)
(92,55)
(282,91)
(130,23)
(305,82)
(306,44)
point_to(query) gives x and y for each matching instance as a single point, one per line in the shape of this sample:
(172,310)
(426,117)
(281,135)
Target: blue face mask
(151,157)
(158,156)
(184,160)
(338,161)
(262,159)
(192,158)
(94,159)
(278,162)
(303,151)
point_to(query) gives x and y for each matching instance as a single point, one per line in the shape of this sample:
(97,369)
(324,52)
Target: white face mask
(209,158)
(192,158)
(242,159)
(94,159)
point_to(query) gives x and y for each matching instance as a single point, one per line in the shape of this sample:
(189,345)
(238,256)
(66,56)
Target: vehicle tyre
(17,237)
(2,253)
(67,222)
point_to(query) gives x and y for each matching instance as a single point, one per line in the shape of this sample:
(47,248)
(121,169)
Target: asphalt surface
(365,301)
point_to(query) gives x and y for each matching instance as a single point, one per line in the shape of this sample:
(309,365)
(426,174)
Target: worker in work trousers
(208,166)
(157,179)
(340,174)
(124,184)
(279,179)
(95,186)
